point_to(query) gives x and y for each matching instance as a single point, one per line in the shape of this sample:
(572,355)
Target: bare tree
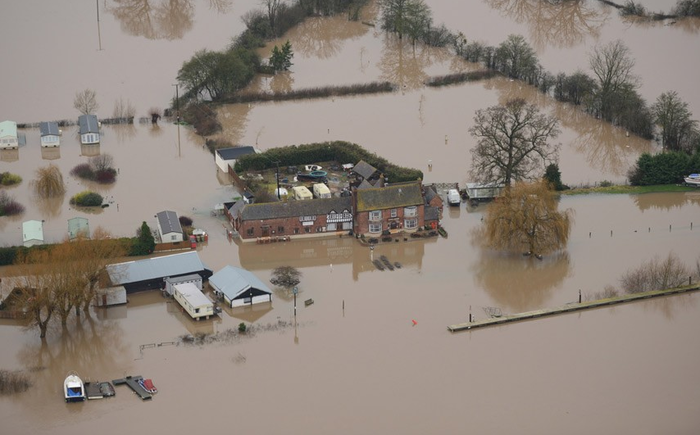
(527,217)
(101,162)
(49,182)
(612,65)
(86,101)
(123,109)
(286,277)
(272,6)
(513,143)
(674,118)
(656,274)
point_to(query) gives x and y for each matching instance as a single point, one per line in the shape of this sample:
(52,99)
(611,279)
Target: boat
(693,180)
(147,385)
(73,388)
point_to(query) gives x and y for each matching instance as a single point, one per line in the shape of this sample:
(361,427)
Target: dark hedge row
(666,168)
(336,151)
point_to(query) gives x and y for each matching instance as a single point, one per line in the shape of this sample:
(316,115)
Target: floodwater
(354,362)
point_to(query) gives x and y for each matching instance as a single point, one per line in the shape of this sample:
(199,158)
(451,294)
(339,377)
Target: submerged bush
(8,205)
(83,171)
(13,382)
(8,179)
(86,199)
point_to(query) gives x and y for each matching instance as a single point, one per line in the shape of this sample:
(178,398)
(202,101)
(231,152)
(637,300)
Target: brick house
(395,207)
(294,219)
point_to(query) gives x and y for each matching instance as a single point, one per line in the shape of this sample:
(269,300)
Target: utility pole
(99,35)
(277,175)
(177,114)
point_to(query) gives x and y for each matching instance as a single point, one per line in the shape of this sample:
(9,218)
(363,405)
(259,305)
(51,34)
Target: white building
(89,129)
(226,157)
(50,134)
(169,227)
(32,233)
(8,135)
(196,303)
(171,282)
(239,287)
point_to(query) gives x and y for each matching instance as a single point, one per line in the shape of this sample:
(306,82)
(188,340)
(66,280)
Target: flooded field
(354,361)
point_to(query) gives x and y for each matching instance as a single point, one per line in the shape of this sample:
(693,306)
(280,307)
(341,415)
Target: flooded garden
(372,354)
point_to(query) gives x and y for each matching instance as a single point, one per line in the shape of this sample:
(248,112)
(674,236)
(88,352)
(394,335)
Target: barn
(239,287)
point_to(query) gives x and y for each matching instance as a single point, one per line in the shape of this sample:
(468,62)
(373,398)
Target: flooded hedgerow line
(311,93)
(452,79)
(230,335)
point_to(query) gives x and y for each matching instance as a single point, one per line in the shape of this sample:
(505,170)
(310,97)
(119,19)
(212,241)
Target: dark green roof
(392,196)
(293,208)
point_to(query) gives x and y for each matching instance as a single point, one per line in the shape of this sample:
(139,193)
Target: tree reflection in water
(322,38)
(555,24)
(153,19)
(666,201)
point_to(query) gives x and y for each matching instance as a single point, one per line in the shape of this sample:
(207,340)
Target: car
(453,197)
(311,168)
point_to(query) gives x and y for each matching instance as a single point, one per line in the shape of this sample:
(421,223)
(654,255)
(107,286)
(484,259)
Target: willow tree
(49,182)
(526,218)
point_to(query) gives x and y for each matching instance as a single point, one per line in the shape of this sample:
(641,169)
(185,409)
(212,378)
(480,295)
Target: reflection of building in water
(192,326)
(51,153)
(90,150)
(324,252)
(249,313)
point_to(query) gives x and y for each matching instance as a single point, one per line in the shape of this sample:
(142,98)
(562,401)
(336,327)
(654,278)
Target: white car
(453,197)
(309,168)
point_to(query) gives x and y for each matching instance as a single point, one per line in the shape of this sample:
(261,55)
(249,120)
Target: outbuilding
(107,297)
(196,303)
(50,134)
(78,227)
(239,287)
(226,157)
(169,227)
(32,233)
(8,135)
(89,129)
(170,283)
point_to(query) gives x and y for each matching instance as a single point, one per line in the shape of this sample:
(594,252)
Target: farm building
(106,297)
(483,192)
(78,226)
(150,273)
(239,287)
(169,227)
(8,135)
(89,129)
(192,279)
(226,157)
(50,134)
(32,233)
(196,303)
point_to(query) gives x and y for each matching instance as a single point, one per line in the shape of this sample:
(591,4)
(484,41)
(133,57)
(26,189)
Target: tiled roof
(364,169)
(392,196)
(293,208)
(432,214)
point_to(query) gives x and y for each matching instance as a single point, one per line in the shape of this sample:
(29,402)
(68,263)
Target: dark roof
(364,169)
(234,207)
(88,124)
(168,221)
(48,128)
(155,268)
(432,213)
(235,152)
(365,185)
(392,196)
(294,208)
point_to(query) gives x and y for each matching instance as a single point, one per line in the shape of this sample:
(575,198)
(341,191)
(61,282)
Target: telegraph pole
(177,114)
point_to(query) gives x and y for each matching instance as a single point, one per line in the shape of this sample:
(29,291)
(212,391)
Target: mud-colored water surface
(354,361)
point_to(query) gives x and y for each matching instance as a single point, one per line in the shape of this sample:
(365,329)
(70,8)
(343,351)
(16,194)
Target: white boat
(73,388)
(693,180)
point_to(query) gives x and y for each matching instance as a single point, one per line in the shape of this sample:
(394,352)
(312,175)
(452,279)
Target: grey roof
(272,210)
(235,207)
(184,278)
(48,128)
(88,124)
(432,213)
(168,221)
(365,185)
(364,169)
(393,196)
(430,193)
(153,268)
(232,281)
(235,152)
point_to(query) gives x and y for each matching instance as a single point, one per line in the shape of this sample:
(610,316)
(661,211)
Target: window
(394,212)
(296,230)
(410,211)
(307,230)
(173,237)
(251,231)
(375,215)
(410,224)
(196,310)
(375,227)
(280,230)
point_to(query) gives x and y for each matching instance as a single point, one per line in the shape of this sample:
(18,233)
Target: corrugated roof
(393,196)
(232,281)
(193,295)
(8,128)
(48,128)
(157,267)
(310,207)
(88,124)
(364,169)
(235,152)
(169,222)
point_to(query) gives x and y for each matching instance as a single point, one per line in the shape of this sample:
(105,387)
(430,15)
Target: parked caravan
(321,191)
(301,193)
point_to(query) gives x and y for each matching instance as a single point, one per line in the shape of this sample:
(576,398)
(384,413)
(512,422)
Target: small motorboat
(73,388)
(148,386)
(693,180)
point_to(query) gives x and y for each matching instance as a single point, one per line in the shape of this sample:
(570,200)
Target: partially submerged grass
(13,382)
(629,189)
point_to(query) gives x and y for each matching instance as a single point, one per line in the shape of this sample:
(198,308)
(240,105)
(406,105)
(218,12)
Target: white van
(453,197)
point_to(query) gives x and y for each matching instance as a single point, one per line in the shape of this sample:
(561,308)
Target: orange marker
(414,322)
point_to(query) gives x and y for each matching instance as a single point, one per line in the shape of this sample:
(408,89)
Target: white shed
(239,287)
(226,157)
(169,227)
(170,282)
(32,233)
(8,135)
(196,303)
(50,134)
(106,297)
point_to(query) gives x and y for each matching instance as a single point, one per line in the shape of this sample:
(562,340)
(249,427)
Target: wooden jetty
(133,383)
(569,308)
(98,390)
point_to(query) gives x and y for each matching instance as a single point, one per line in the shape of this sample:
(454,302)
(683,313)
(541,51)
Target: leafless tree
(101,162)
(86,101)
(123,109)
(656,274)
(612,65)
(49,182)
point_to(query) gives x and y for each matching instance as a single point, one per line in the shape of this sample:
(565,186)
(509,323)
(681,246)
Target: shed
(196,303)
(171,282)
(149,274)
(107,297)
(169,227)
(32,233)
(8,135)
(89,129)
(239,287)
(482,192)
(226,157)
(50,134)
(78,226)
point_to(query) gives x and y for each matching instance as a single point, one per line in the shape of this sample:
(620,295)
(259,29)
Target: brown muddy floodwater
(353,362)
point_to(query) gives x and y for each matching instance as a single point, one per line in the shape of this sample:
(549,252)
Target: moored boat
(73,388)
(147,385)
(693,180)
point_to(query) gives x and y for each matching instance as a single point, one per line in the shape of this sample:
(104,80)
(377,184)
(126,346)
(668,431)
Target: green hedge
(336,151)
(87,199)
(666,168)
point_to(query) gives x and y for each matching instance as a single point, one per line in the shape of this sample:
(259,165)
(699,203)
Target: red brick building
(395,207)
